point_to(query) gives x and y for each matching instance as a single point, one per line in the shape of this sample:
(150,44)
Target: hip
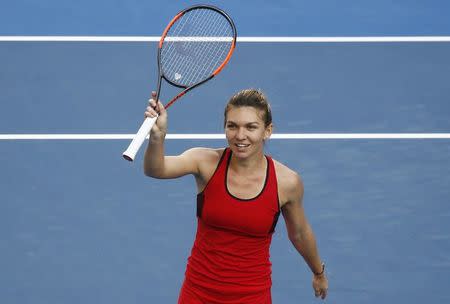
(194,293)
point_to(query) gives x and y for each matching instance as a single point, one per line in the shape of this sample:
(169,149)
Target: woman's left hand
(320,285)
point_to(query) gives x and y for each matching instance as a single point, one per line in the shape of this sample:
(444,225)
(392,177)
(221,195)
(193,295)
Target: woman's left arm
(300,232)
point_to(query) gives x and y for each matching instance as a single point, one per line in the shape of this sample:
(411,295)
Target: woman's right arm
(156,164)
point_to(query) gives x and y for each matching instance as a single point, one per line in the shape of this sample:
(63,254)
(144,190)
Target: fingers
(152,100)
(154,108)
(320,286)
(150,112)
(324,294)
(320,293)
(317,293)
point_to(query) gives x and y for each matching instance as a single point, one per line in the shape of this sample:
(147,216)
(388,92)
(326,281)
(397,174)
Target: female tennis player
(241,192)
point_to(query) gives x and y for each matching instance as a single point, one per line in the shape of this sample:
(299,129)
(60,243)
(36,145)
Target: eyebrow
(246,124)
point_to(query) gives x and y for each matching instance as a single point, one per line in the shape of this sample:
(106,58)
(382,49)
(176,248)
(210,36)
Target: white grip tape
(141,135)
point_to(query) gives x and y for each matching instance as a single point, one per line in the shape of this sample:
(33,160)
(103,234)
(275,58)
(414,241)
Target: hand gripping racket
(194,47)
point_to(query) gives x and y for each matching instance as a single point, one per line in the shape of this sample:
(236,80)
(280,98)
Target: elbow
(151,173)
(301,235)
(148,173)
(150,169)
(295,237)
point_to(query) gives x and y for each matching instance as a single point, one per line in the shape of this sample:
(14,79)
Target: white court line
(239,39)
(222,136)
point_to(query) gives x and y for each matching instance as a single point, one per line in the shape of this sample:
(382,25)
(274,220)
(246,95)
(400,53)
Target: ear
(268,131)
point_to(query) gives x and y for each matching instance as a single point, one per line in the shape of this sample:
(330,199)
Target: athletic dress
(229,262)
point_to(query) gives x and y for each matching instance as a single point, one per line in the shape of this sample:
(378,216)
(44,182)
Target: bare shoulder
(290,184)
(287,177)
(206,160)
(203,155)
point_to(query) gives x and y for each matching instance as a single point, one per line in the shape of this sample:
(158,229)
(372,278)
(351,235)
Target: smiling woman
(241,193)
(248,122)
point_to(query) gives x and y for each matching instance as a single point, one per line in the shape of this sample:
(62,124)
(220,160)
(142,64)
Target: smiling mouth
(242,145)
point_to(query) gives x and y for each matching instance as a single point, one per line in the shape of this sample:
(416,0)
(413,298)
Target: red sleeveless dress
(229,262)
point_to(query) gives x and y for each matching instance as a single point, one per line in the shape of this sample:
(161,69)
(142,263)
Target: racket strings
(217,52)
(196,52)
(208,63)
(195,46)
(179,33)
(170,51)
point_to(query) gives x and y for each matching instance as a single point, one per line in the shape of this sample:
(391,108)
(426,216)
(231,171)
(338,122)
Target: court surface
(81,225)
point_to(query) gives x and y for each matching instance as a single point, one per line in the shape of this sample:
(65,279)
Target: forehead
(245,114)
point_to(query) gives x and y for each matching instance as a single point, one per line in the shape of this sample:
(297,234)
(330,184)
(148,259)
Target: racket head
(196,46)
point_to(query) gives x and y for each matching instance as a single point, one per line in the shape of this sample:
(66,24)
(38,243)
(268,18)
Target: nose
(240,135)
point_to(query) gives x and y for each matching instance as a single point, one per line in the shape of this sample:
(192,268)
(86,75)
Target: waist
(227,260)
(227,278)
(228,296)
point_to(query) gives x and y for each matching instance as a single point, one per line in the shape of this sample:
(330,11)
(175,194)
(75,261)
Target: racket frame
(215,72)
(147,125)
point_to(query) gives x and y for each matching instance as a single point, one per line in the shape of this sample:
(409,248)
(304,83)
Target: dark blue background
(80,225)
(253,17)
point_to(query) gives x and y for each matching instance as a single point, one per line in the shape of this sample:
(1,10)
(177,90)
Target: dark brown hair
(250,98)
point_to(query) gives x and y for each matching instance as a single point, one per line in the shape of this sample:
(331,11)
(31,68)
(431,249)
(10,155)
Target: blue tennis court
(81,225)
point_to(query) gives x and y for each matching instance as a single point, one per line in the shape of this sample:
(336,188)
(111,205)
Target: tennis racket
(194,47)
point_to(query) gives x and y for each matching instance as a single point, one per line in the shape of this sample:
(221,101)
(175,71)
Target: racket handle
(139,138)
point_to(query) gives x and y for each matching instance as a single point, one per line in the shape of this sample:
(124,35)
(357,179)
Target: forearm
(305,243)
(154,156)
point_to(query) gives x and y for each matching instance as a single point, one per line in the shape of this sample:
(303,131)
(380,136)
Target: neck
(248,164)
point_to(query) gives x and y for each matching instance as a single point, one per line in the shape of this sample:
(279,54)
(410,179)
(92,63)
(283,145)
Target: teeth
(241,145)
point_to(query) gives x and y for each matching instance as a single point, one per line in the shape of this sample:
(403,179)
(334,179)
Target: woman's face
(245,131)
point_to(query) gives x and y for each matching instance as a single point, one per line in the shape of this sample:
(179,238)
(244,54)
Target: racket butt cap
(129,158)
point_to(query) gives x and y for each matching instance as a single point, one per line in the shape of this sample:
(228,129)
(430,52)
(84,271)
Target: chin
(242,153)
(236,151)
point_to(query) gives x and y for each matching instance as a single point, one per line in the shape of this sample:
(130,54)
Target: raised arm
(156,164)
(299,231)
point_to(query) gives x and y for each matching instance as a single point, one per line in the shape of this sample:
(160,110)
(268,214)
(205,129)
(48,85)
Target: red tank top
(229,262)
